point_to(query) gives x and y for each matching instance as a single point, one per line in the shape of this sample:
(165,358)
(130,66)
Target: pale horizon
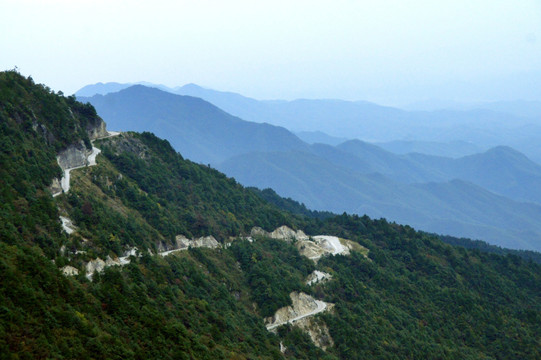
(387,52)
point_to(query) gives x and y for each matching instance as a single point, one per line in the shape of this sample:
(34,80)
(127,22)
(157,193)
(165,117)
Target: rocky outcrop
(318,332)
(96,265)
(317,277)
(285,233)
(321,245)
(257,231)
(128,143)
(310,249)
(67,225)
(69,271)
(300,314)
(73,156)
(183,243)
(96,129)
(131,252)
(42,130)
(281,233)
(55,187)
(206,241)
(331,244)
(303,305)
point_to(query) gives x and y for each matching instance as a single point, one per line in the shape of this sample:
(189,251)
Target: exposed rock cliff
(312,247)
(42,130)
(73,156)
(206,241)
(94,265)
(183,243)
(321,245)
(281,233)
(70,270)
(317,330)
(97,129)
(97,265)
(317,276)
(67,225)
(127,143)
(55,187)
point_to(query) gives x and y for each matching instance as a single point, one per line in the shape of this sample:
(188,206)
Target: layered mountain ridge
(354,176)
(199,130)
(444,130)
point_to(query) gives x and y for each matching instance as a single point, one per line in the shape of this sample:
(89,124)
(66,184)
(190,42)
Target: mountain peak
(506,153)
(503,149)
(101,88)
(189,86)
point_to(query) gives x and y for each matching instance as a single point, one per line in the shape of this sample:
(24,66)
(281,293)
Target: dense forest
(413,296)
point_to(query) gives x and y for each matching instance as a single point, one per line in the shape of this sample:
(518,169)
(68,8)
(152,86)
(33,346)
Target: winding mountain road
(321,306)
(91,161)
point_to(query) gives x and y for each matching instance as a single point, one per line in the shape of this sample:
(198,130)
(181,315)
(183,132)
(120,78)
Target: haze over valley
(447,184)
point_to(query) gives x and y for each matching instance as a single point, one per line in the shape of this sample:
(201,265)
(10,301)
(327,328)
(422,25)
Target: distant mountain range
(197,129)
(453,149)
(515,124)
(318,137)
(523,108)
(492,195)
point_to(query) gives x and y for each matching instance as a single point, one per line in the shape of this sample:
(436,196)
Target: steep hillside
(199,130)
(156,297)
(154,303)
(36,125)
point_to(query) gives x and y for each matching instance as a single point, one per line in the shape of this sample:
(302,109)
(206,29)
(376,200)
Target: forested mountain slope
(408,296)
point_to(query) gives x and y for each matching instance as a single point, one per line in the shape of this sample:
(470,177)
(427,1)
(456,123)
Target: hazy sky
(383,50)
